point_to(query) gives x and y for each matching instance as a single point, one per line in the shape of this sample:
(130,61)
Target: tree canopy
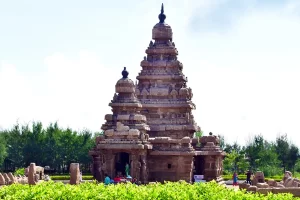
(51,146)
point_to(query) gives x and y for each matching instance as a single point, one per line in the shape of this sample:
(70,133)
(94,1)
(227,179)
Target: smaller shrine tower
(125,139)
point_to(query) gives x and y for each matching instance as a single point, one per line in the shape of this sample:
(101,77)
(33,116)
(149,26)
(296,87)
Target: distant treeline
(273,158)
(56,147)
(51,146)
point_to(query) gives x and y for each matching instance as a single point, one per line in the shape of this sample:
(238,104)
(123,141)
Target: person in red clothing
(117,179)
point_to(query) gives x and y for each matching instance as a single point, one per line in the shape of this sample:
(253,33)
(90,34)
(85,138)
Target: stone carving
(74,174)
(12,178)
(121,127)
(2,180)
(7,179)
(289,181)
(287,185)
(258,178)
(144,169)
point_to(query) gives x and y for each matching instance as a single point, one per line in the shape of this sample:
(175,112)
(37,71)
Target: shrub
(20,171)
(67,177)
(169,190)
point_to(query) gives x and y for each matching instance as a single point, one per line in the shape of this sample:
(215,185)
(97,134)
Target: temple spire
(162,16)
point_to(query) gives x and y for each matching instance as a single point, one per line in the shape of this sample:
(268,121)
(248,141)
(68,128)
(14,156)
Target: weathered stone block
(264,190)
(123,117)
(262,185)
(272,182)
(74,174)
(252,188)
(244,186)
(11,177)
(134,132)
(31,174)
(186,140)
(109,132)
(2,180)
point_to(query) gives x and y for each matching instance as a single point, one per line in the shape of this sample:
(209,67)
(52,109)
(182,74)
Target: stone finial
(151,44)
(74,174)
(162,16)
(125,73)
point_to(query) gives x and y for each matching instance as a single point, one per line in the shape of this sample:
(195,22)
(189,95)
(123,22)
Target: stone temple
(151,127)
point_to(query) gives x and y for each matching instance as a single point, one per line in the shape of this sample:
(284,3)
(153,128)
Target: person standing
(248,179)
(106,180)
(127,169)
(235,179)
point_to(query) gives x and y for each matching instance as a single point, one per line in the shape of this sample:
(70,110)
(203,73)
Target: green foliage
(177,190)
(235,159)
(67,177)
(198,135)
(243,177)
(20,171)
(3,148)
(51,146)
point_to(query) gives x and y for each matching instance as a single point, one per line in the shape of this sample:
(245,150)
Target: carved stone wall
(170,168)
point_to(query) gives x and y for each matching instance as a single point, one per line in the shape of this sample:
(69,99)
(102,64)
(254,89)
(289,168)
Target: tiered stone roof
(126,126)
(162,87)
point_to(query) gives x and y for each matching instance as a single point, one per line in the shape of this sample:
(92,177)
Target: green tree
(293,156)
(3,150)
(282,150)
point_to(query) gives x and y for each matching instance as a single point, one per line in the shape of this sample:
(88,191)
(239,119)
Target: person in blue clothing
(235,179)
(106,180)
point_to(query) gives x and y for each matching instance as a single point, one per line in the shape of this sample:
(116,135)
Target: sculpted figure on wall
(144,173)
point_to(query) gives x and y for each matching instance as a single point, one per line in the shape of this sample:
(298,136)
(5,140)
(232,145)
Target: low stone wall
(265,190)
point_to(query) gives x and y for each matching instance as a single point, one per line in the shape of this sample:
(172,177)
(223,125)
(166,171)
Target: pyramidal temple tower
(162,87)
(151,127)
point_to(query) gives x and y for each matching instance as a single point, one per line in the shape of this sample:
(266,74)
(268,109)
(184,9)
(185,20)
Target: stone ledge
(121,146)
(172,153)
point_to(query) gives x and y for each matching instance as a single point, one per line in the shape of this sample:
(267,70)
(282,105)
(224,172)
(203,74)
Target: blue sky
(60,60)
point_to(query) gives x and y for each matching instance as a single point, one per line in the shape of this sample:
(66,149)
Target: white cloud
(249,83)
(244,80)
(79,90)
(16,95)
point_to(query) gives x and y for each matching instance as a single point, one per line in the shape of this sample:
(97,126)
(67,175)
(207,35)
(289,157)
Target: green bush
(20,171)
(67,177)
(176,190)
(243,177)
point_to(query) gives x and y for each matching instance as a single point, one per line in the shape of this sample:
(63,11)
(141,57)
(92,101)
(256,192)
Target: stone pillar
(135,170)
(210,171)
(2,180)
(31,174)
(97,168)
(110,163)
(74,174)
(144,170)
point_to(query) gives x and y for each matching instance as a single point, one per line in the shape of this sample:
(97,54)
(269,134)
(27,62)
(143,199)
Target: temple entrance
(199,165)
(121,160)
